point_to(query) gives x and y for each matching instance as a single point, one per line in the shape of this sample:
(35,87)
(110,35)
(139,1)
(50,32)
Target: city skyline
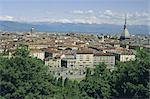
(78,11)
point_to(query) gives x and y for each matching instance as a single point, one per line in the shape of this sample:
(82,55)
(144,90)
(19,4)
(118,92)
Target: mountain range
(13,26)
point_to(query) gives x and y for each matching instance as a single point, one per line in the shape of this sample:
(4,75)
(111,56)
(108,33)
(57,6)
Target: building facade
(38,53)
(107,58)
(84,59)
(125,57)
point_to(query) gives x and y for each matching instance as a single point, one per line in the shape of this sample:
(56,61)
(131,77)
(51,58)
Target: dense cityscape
(69,54)
(76,61)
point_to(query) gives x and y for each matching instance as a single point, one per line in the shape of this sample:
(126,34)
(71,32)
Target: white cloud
(78,12)
(64,21)
(9,18)
(90,16)
(82,11)
(136,18)
(108,12)
(90,11)
(108,17)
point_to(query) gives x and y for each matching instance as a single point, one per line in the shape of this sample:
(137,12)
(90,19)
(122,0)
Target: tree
(96,85)
(22,51)
(72,90)
(88,72)
(23,76)
(60,81)
(27,77)
(66,82)
(131,79)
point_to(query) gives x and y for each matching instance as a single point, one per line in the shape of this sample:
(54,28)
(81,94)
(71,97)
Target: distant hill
(70,27)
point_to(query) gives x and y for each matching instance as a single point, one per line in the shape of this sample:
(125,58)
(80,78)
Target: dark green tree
(88,72)
(22,51)
(23,76)
(66,82)
(97,84)
(131,79)
(60,81)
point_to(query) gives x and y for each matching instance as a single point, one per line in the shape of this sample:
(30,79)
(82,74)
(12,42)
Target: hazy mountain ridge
(71,27)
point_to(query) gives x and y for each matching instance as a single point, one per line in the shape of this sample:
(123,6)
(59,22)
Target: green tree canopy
(131,79)
(27,77)
(96,85)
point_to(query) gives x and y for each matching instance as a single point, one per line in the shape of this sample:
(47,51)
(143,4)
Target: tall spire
(125,25)
(125,34)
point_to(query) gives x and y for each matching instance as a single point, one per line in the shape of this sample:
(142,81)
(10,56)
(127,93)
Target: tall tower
(125,34)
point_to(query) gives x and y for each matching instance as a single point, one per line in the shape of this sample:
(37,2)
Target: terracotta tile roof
(84,52)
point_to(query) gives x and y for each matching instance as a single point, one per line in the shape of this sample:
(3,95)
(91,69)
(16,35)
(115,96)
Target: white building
(128,57)
(125,56)
(38,53)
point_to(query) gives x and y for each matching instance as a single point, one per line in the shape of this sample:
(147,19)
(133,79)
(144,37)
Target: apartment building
(107,58)
(84,59)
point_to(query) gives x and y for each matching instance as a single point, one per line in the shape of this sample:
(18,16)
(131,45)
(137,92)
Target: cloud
(108,12)
(82,11)
(90,11)
(78,12)
(106,17)
(9,18)
(90,17)
(133,18)
(63,21)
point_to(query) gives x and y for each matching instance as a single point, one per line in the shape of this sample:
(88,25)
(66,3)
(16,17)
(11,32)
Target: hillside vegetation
(26,77)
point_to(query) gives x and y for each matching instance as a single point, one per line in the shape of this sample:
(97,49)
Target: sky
(76,11)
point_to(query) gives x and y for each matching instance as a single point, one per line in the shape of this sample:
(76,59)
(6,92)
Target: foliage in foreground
(131,79)
(128,80)
(23,76)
